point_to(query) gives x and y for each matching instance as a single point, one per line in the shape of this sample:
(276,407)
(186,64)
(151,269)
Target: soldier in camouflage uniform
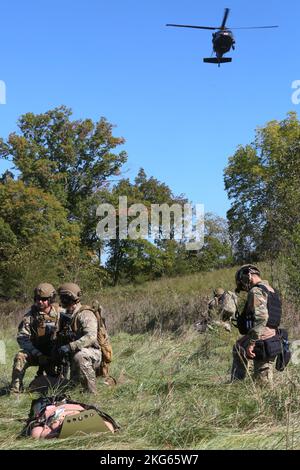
(221,309)
(82,345)
(256,308)
(35,336)
(214,303)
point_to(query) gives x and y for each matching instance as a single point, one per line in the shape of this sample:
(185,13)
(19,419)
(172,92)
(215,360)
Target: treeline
(263,182)
(61,170)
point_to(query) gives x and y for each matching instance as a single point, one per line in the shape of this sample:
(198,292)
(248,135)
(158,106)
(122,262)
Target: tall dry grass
(173,393)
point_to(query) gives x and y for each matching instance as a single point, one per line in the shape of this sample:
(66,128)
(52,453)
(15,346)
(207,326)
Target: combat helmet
(70,291)
(218,292)
(242,276)
(44,291)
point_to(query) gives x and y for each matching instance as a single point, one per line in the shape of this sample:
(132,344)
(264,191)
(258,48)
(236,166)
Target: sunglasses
(43,299)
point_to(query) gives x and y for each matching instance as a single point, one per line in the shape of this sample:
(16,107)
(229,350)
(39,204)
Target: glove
(43,360)
(63,351)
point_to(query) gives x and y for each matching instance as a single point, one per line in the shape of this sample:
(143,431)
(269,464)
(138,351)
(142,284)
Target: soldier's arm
(212,304)
(24,337)
(89,326)
(258,304)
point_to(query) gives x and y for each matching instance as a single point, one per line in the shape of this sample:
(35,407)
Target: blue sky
(181,118)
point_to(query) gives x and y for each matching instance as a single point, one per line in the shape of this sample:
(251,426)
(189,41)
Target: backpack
(58,416)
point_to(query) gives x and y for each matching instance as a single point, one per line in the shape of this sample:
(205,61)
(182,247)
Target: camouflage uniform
(35,338)
(257,301)
(217,314)
(85,349)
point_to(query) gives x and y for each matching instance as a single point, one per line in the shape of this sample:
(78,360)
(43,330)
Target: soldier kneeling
(82,337)
(35,336)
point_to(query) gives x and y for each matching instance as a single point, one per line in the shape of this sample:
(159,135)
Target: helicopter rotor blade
(256,27)
(190,26)
(226,13)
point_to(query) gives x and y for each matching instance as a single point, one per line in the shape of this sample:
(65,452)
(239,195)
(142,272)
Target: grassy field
(172,391)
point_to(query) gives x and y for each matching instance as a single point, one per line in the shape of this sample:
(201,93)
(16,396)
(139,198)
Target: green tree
(144,259)
(262,180)
(36,241)
(216,252)
(136,260)
(70,159)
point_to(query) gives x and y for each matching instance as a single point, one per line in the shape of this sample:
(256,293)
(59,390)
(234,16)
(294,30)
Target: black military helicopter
(223,39)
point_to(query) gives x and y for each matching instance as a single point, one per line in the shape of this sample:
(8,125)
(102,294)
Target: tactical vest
(245,321)
(43,328)
(274,307)
(65,334)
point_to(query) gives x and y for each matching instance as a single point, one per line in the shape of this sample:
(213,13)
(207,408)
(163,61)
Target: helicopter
(223,39)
